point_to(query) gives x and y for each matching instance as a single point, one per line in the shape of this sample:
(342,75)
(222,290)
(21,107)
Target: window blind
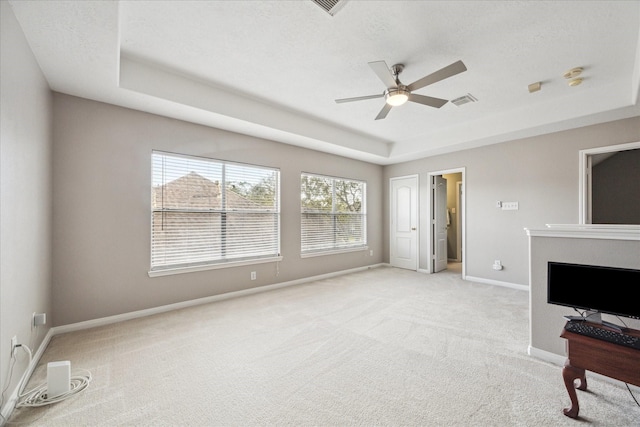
(207,211)
(333,213)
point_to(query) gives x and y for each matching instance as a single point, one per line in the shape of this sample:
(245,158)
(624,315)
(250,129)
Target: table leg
(570,374)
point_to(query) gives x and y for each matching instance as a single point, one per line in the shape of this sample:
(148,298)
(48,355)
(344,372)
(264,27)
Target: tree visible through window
(333,213)
(212,212)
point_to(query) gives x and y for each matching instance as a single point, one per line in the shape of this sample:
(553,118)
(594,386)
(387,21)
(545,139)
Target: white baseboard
(191,303)
(497,283)
(12,400)
(547,356)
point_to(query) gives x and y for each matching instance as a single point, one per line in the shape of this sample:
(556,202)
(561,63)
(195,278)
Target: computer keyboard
(584,328)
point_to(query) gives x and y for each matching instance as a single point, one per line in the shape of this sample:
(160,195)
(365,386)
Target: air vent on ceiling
(464,99)
(330,6)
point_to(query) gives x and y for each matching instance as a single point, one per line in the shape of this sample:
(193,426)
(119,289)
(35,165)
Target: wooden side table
(605,358)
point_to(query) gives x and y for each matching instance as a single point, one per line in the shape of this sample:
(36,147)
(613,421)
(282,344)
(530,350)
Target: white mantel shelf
(588,231)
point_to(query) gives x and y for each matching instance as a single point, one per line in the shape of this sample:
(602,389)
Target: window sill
(180,270)
(333,252)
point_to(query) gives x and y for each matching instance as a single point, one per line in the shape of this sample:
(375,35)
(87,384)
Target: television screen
(597,288)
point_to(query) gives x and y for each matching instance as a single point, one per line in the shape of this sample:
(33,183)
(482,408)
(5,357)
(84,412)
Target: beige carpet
(383,347)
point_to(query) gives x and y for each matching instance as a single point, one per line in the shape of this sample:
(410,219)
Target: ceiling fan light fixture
(397,97)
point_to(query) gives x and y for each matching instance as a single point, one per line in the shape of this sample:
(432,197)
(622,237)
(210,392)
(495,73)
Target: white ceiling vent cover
(464,99)
(330,6)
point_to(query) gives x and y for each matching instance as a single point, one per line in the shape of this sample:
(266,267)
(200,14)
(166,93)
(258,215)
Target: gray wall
(25,196)
(540,173)
(102,213)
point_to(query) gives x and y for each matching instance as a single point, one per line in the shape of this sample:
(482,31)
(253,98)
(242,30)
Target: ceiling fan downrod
(400,94)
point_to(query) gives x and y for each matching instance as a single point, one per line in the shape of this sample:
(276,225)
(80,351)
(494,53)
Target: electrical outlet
(371,252)
(14,343)
(253,275)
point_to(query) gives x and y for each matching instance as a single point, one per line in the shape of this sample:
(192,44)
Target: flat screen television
(594,288)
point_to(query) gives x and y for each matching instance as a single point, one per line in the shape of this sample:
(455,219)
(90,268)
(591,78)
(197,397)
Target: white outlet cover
(39,319)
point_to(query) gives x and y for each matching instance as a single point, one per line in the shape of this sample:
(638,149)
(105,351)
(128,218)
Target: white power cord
(38,395)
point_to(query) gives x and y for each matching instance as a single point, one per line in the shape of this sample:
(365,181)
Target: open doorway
(447,214)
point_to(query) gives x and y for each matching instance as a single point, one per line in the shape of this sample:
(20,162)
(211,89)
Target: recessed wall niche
(610,185)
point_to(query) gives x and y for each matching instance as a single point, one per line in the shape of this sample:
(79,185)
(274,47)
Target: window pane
(349,230)
(316,193)
(348,196)
(251,188)
(185,238)
(251,235)
(185,183)
(317,231)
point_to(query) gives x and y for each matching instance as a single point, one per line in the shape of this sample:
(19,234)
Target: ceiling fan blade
(384,73)
(443,73)
(358,98)
(383,113)
(427,100)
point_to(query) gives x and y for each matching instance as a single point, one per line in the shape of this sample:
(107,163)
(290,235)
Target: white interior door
(439,223)
(403,251)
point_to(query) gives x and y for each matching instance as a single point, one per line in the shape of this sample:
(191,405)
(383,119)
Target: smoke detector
(573,73)
(575,82)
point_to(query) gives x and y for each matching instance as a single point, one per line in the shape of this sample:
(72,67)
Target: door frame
(462,213)
(459,212)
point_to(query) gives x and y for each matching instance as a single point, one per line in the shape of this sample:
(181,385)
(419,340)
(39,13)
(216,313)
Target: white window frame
(328,250)
(218,263)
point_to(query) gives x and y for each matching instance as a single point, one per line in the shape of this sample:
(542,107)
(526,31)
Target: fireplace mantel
(588,231)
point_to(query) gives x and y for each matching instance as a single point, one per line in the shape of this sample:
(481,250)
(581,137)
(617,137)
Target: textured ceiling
(274,68)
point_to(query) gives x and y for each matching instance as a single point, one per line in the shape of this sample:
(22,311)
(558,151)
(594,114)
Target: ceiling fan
(397,94)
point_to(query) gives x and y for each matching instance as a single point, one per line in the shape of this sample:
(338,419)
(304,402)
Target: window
(210,213)
(333,214)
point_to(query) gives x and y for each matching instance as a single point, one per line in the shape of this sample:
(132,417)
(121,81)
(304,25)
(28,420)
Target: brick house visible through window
(210,212)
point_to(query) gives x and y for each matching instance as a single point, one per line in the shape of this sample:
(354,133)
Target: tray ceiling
(273,69)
